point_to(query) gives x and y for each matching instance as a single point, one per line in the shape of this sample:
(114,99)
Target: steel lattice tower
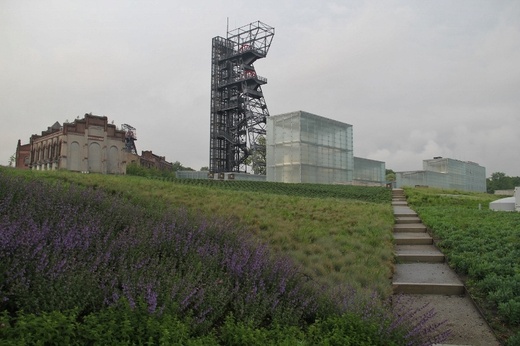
(238,108)
(130,138)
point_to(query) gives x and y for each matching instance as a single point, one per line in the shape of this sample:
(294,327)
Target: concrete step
(400,211)
(426,278)
(430,288)
(399,203)
(419,258)
(407,219)
(409,227)
(412,238)
(418,253)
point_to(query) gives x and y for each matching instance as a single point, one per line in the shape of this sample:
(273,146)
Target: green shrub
(48,328)
(510,310)
(349,329)
(117,325)
(514,340)
(238,333)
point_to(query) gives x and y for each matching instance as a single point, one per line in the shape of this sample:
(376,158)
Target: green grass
(345,239)
(480,244)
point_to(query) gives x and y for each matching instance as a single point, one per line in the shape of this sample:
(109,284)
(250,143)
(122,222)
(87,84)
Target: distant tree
(390,175)
(177,166)
(205,168)
(257,159)
(500,181)
(12,160)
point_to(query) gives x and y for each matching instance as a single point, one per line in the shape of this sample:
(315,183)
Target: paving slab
(412,238)
(426,249)
(462,318)
(400,211)
(428,288)
(407,219)
(409,227)
(418,253)
(425,273)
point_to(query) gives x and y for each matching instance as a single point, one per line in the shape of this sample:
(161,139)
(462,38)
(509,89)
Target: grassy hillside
(89,259)
(341,239)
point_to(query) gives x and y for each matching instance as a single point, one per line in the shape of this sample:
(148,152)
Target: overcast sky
(416,79)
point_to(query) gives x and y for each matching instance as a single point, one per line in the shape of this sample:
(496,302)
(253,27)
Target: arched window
(113,159)
(94,157)
(74,158)
(33,157)
(46,151)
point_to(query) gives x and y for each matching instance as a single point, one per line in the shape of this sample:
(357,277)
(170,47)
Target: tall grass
(292,225)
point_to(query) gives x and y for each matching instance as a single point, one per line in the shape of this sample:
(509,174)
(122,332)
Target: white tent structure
(508,203)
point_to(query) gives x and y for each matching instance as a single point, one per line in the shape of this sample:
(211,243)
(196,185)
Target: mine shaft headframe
(130,131)
(255,36)
(238,108)
(130,138)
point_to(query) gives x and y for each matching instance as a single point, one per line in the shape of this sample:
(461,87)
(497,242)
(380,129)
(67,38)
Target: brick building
(90,144)
(150,160)
(23,155)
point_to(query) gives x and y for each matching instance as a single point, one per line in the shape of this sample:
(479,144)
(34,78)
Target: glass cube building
(369,172)
(446,173)
(307,148)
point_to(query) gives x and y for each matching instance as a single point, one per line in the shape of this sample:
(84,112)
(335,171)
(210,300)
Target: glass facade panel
(369,171)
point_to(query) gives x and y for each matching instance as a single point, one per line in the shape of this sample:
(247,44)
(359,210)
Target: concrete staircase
(420,267)
(422,276)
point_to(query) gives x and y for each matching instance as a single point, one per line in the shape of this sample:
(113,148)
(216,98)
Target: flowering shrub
(65,247)
(72,258)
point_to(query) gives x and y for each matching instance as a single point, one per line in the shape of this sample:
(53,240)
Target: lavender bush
(63,247)
(66,248)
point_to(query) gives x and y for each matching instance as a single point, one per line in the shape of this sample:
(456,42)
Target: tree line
(500,181)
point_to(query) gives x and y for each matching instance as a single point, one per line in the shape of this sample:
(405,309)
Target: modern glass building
(446,173)
(307,148)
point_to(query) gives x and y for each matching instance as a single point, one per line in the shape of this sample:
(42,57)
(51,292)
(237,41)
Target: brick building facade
(150,160)
(90,144)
